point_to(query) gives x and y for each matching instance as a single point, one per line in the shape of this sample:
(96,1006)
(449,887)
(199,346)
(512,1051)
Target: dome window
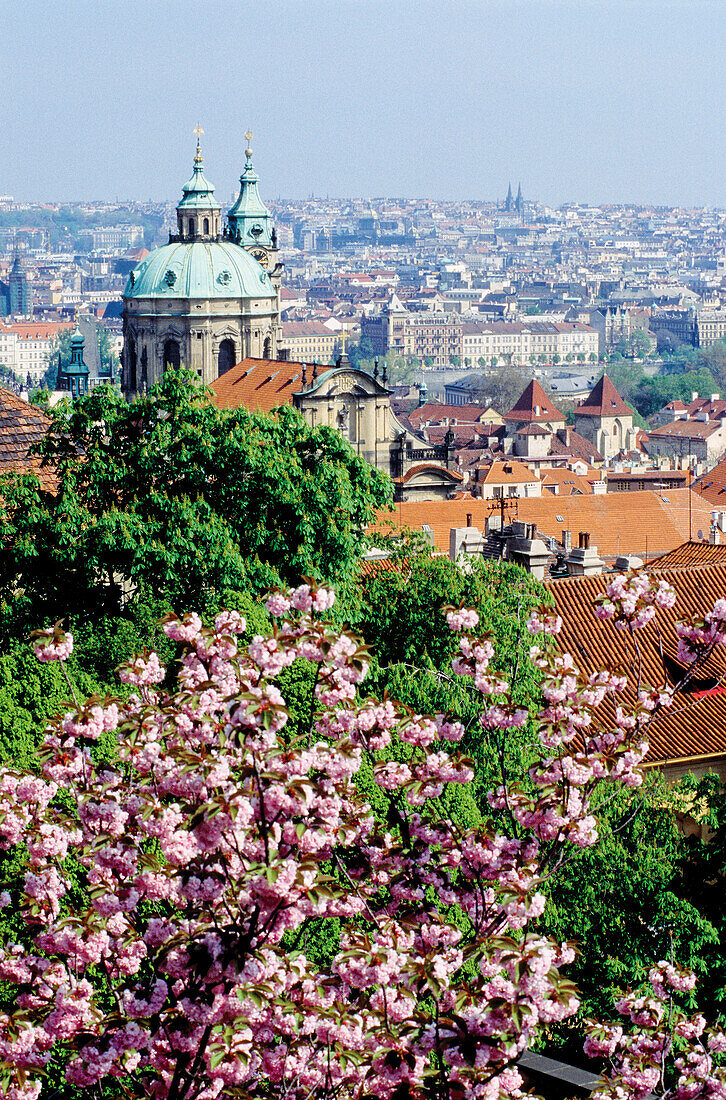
(224,278)
(170,277)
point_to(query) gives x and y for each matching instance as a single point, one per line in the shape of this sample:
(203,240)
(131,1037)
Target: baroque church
(209,300)
(211,296)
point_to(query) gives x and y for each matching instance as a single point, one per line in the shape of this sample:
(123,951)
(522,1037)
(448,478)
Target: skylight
(559,519)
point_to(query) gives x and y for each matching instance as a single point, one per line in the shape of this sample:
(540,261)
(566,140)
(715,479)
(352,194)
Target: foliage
(402,616)
(171,493)
(173,898)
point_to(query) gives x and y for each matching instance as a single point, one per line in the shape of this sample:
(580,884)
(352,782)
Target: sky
(597,101)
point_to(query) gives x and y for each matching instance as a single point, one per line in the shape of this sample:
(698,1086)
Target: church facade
(210,297)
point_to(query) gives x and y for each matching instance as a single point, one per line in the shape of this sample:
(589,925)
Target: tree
(592,357)
(225,902)
(455,360)
(556,358)
(482,361)
(172,493)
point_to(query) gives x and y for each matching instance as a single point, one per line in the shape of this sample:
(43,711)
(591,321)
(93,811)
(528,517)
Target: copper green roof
(198,191)
(199,269)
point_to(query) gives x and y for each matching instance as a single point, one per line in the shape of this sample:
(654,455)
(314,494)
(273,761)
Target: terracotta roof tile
(21,426)
(603,400)
(712,485)
(534,397)
(692,729)
(619,523)
(689,554)
(259,385)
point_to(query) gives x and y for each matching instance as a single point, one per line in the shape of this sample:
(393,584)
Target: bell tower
(249,221)
(198,215)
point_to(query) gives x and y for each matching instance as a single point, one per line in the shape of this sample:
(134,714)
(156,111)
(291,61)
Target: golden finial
(198,131)
(248,139)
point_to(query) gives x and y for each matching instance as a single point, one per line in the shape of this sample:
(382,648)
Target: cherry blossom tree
(210,843)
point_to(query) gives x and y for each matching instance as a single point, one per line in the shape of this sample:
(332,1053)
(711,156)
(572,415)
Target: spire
(198,213)
(75,376)
(509,199)
(519,199)
(249,220)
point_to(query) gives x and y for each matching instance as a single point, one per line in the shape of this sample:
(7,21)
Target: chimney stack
(567,540)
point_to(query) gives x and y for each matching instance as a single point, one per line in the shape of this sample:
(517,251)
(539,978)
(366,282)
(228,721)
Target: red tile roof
(689,554)
(619,523)
(603,400)
(534,397)
(712,485)
(691,730)
(37,330)
(259,385)
(21,426)
(577,446)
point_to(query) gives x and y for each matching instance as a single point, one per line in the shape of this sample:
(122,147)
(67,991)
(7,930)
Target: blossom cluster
(659,1030)
(631,599)
(224,829)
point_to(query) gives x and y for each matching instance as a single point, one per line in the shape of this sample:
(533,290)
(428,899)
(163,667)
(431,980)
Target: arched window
(172,357)
(206,227)
(144,367)
(130,357)
(192,228)
(226,357)
(267,348)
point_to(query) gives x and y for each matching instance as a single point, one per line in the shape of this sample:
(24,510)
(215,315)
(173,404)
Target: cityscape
(363,565)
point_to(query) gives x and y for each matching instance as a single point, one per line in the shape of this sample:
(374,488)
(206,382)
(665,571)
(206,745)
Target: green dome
(199,269)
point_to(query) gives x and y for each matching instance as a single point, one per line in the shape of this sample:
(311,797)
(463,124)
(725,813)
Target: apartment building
(441,339)
(25,348)
(308,341)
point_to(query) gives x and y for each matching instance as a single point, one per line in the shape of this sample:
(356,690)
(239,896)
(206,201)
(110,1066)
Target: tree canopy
(170,493)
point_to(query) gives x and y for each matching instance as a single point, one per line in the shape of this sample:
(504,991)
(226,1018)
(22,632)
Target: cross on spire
(248,139)
(198,131)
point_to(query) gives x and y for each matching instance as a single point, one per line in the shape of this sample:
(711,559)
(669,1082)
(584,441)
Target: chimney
(584,540)
(567,540)
(694,396)
(714,397)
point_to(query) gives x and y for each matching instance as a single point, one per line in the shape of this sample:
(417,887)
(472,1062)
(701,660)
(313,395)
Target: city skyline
(447,101)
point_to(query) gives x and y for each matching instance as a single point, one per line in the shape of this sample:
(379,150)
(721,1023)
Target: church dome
(199,269)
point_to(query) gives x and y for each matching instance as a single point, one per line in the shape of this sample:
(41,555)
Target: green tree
(455,360)
(171,493)
(401,616)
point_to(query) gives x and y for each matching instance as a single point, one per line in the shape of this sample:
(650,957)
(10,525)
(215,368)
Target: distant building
(25,348)
(605,420)
(308,341)
(20,298)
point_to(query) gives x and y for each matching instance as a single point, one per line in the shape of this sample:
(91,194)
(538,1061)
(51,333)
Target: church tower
(249,222)
(198,213)
(204,301)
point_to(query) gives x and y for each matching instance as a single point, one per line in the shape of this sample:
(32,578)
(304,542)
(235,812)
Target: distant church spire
(520,199)
(509,202)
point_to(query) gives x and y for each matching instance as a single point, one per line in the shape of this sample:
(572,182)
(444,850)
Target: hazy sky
(583,100)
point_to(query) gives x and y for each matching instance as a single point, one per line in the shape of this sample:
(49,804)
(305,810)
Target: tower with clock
(249,222)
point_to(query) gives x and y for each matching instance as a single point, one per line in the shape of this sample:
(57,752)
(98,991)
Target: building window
(172,357)
(206,227)
(226,357)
